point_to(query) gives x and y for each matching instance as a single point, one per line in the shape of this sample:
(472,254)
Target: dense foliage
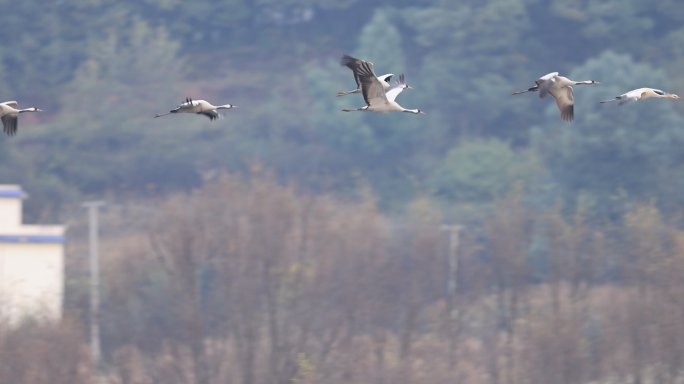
(103,68)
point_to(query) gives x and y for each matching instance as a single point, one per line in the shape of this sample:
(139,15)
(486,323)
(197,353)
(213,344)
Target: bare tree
(42,353)
(509,235)
(178,240)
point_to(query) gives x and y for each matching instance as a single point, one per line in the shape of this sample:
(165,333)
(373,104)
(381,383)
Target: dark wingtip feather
(346,60)
(568,114)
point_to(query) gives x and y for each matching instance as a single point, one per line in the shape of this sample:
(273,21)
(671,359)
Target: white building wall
(31,280)
(31,263)
(10,207)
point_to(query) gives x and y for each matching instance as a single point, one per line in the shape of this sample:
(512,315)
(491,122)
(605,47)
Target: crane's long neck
(32,109)
(585,82)
(416,111)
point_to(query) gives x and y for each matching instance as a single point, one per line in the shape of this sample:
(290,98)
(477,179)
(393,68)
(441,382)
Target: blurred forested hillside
(102,69)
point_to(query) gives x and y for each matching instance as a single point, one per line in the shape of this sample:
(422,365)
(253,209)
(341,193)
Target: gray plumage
(377,98)
(201,107)
(560,87)
(10,116)
(351,63)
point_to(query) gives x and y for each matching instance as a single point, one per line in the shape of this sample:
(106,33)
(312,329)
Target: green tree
(381,42)
(103,136)
(469,52)
(478,171)
(615,154)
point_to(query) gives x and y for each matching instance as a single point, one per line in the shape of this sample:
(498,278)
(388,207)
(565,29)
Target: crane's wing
(549,76)
(12,104)
(386,78)
(565,102)
(545,83)
(352,63)
(631,96)
(371,88)
(9,124)
(394,90)
(212,114)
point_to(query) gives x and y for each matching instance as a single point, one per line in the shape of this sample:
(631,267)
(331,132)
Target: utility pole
(452,313)
(93,209)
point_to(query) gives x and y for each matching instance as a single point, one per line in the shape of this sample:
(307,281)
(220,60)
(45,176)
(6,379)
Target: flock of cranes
(380,95)
(560,87)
